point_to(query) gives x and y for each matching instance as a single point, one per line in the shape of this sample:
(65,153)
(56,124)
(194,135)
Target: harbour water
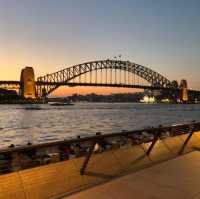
(20,124)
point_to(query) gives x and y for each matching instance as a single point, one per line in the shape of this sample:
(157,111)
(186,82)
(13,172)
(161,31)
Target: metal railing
(17,158)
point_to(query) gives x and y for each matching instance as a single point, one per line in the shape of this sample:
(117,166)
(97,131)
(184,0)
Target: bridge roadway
(16,85)
(71,84)
(13,84)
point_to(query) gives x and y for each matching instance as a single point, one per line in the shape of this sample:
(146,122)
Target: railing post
(191,132)
(156,137)
(87,159)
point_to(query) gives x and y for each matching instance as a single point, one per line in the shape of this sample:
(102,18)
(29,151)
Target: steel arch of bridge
(50,82)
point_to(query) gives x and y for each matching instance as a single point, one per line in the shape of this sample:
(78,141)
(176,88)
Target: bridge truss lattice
(103,72)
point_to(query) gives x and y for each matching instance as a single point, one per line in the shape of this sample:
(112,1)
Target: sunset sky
(53,34)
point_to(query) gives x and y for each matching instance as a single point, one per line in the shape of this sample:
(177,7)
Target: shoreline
(33,155)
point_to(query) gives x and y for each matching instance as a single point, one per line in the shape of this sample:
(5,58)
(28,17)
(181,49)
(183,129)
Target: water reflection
(19,124)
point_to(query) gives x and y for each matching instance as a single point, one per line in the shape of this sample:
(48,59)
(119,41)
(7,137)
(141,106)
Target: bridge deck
(177,178)
(16,84)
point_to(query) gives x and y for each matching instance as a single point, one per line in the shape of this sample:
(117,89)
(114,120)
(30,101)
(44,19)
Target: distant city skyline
(50,35)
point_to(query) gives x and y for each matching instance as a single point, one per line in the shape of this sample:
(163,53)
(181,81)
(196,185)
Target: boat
(61,104)
(32,108)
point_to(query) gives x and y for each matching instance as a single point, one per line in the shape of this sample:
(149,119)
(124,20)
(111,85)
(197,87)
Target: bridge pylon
(27,83)
(184,91)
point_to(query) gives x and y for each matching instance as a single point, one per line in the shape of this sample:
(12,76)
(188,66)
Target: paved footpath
(174,179)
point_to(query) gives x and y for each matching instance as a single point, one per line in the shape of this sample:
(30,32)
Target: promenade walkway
(174,179)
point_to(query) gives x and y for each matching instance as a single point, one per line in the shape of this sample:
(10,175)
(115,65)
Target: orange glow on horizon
(66,91)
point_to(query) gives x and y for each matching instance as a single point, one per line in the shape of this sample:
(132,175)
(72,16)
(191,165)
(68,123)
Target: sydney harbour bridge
(104,73)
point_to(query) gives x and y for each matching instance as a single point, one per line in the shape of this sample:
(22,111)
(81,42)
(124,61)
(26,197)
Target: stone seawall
(54,180)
